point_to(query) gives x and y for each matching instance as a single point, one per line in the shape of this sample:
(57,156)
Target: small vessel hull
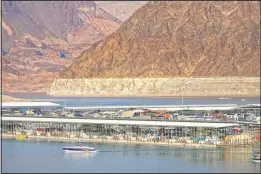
(256,159)
(78,149)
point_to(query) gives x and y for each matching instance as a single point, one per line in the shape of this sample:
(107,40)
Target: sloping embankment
(171,87)
(6,98)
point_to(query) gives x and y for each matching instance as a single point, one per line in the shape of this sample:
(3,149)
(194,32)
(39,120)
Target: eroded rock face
(35,33)
(178,39)
(226,86)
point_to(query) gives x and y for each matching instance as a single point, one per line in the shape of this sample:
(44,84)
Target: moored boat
(256,155)
(256,158)
(21,137)
(79,148)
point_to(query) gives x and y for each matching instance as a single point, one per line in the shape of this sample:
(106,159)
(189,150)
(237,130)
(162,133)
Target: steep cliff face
(178,39)
(40,38)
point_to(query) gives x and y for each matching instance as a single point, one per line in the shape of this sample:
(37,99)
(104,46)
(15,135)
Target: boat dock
(173,124)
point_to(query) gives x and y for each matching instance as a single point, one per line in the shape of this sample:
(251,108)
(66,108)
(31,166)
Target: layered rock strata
(173,87)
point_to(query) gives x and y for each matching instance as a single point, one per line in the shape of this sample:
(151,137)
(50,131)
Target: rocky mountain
(40,38)
(178,39)
(7,5)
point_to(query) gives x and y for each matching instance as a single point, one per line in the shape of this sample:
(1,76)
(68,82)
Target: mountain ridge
(41,38)
(177,39)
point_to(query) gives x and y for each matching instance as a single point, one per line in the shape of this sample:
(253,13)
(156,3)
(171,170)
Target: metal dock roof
(122,122)
(29,104)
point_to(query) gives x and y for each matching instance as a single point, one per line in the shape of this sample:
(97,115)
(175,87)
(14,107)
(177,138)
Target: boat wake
(131,150)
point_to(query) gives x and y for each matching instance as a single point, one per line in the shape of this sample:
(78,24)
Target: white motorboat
(256,155)
(79,148)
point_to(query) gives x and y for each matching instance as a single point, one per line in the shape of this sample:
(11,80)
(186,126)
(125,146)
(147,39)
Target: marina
(130,87)
(213,137)
(195,125)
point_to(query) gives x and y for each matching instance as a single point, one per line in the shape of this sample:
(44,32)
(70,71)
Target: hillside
(178,39)
(40,38)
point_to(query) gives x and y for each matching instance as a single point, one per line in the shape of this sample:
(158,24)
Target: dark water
(109,101)
(40,156)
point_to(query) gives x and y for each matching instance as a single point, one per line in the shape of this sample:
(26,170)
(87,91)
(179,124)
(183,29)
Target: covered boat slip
(128,130)
(195,108)
(149,112)
(121,122)
(29,108)
(189,109)
(29,104)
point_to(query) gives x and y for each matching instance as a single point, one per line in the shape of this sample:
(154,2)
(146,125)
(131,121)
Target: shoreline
(91,96)
(99,140)
(132,96)
(7,98)
(225,86)
(152,96)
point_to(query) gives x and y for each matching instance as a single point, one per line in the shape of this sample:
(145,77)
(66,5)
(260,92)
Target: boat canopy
(256,149)
(82,142)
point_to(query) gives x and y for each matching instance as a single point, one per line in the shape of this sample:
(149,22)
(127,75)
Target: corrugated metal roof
(123,122)
(253,104)
(194,108)
(28,104)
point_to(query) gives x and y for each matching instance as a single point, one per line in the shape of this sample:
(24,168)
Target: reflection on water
(107,101)
(32,156)
(205,156)
(84,155)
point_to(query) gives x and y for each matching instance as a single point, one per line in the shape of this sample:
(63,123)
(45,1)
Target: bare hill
(178,39)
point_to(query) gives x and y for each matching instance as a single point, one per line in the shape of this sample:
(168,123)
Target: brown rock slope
(34,34)
(178,39)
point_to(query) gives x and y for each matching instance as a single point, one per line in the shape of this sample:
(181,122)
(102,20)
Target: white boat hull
(255,159)
(78,149)
(73,151)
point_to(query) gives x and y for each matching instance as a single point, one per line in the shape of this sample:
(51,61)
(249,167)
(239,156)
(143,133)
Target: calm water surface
(114,101)
(42,156)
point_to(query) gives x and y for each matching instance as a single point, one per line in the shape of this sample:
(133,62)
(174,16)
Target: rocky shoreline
(157,87)
(5,98)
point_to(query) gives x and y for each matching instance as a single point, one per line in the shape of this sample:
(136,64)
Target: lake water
(114,101)
(42,156)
